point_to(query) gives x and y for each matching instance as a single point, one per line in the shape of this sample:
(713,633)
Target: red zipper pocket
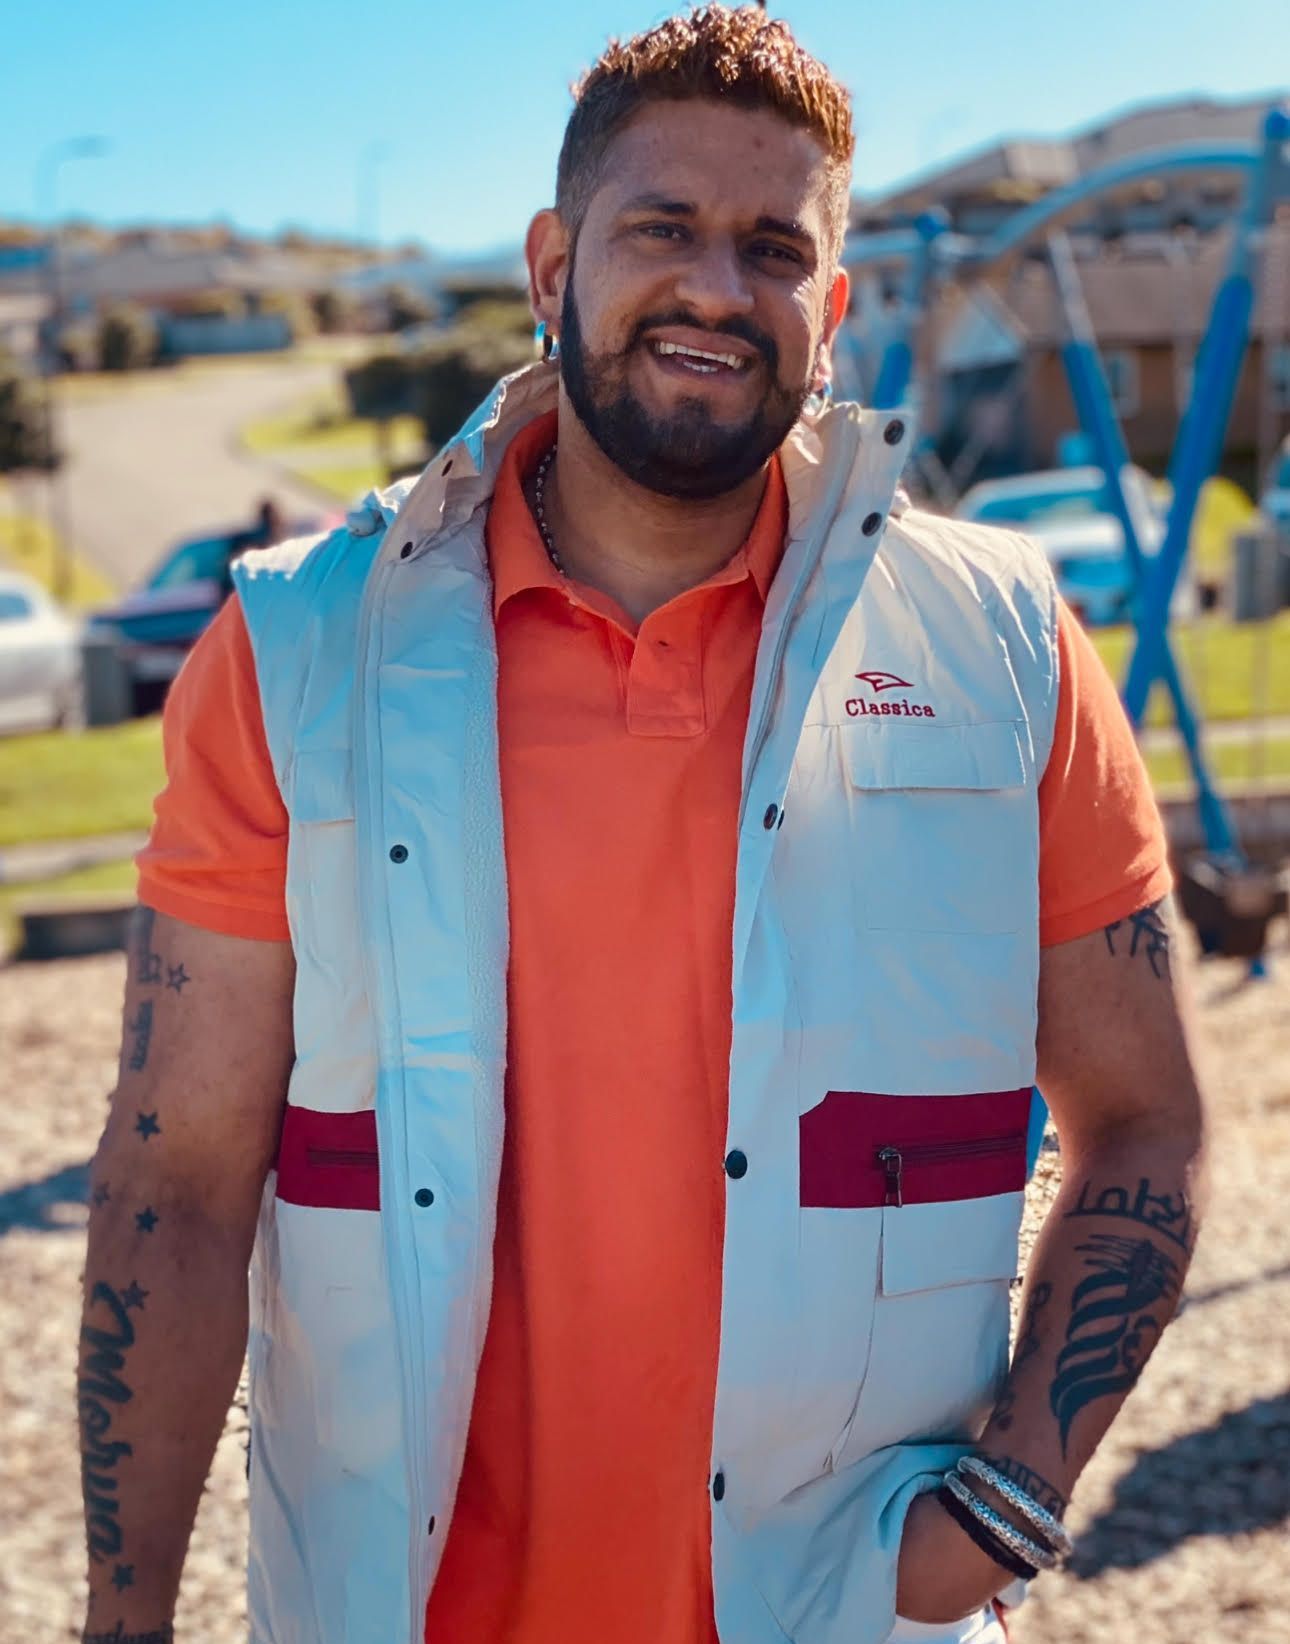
(894,1161)
(329,1161)
(861,1150)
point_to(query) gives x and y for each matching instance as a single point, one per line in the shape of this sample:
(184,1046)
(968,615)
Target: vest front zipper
(894,1159)
(359,1157)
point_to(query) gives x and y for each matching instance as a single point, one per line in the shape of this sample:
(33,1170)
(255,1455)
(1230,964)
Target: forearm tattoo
(107,1335)
(1027,1479)
(164,1634)
(1027,1346)
(1112,1330)
(1168,1214)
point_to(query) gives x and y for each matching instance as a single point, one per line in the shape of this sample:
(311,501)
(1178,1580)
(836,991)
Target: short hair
(733,55)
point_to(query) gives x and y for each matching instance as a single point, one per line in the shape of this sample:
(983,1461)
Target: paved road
(161,460)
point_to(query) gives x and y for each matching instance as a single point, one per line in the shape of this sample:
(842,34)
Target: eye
(662,231)
(775,252)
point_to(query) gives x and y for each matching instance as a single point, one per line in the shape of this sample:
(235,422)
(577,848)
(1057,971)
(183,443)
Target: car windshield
(1020,509)
(198,561)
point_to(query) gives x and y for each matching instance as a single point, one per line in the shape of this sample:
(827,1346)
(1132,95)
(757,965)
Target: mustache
(733,326)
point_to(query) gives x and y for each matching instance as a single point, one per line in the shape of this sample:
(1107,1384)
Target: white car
(1068,513)
(40,658)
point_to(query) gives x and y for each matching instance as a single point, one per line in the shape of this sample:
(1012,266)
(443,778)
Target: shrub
(406,306)
(128,338)
(24,434)
(458,370)
(296,309)
(334,310)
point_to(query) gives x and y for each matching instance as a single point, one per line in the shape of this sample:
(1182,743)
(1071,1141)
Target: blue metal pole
(892,386)
(1208,410)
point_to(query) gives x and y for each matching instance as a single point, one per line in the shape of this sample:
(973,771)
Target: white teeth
(732,360)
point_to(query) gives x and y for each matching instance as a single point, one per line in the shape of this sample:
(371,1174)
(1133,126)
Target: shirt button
(424,1197)
(894,432)
(871,524)
(768,821)
(736,1163)
(398,853)
(718,1487)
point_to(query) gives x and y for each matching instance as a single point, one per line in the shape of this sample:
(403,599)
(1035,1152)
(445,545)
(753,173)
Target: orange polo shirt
(583,1510)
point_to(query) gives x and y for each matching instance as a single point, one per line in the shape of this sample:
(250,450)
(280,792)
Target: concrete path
(161,460)
(50,859)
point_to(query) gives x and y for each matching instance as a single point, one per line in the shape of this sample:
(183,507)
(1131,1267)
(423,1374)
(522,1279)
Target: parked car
(1068,512)
(158,624)
(40,658)
(1275,501)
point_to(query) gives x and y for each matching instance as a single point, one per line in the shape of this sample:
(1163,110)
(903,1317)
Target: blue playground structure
(930,252)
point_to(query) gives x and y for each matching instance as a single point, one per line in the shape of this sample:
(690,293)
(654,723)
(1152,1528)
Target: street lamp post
(47,169)
(367,190)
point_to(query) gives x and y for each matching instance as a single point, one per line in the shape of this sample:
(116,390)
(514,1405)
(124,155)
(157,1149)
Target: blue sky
(260,111)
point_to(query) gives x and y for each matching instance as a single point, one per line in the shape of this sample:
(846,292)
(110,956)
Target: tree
(455,372)
(334,310)
(406,306)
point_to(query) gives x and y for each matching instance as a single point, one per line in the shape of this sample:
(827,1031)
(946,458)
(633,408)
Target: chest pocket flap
(898,754)
(944,827)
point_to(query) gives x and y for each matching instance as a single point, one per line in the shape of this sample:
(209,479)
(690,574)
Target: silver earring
(548,343)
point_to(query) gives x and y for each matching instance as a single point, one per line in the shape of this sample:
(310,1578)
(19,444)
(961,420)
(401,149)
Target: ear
(835,310)
(546,251)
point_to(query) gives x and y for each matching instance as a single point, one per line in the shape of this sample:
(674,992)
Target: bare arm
(1109,1265)
(175,1192)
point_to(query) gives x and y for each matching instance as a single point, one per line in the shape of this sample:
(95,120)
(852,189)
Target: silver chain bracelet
(1007,1533)
(1052,1529)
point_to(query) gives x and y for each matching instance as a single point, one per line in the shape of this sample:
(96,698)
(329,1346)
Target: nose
(715,283)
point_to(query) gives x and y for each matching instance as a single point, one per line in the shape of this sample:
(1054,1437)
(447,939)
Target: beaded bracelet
(1049,1527)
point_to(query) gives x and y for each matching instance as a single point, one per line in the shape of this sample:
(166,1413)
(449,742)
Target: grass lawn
(1229,762)
(27,544)
(62,785)
(1219,660)
(107,879)
(320,441)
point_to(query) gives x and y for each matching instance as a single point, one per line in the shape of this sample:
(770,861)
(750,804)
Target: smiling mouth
(702,361)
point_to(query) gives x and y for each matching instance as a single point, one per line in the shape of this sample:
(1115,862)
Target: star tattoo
(176,976)
(147,1125)
(100,1195)
(123,1577)
(146,1220)
(133,1295)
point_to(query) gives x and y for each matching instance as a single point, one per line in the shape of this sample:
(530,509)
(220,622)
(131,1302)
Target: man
(608,910)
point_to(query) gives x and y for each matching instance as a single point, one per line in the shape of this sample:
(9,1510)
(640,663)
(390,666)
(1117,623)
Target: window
(14,606)
(1122,379)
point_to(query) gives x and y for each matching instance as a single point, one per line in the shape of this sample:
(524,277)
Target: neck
(639,548)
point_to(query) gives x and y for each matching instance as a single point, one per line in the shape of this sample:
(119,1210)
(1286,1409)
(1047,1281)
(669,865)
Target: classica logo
(878,681)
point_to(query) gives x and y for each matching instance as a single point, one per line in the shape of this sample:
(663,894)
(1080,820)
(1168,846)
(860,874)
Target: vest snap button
(430,1531)
(718,1487)
(398,853)
(424,1197)
(447,468)
(871,524)
(736,1163)
(405,551)
(768,821)
(894,432)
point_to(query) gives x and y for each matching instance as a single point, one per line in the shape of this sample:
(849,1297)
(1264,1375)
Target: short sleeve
(217,854)
(1102,846)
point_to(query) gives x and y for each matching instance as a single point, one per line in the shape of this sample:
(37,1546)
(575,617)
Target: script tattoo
(1168,1214)
(1111,1333)
(141,1027)
(165,1634)
(147,962)
(1033,1483)
(1147,933)
(1027,1346)
(99,1387)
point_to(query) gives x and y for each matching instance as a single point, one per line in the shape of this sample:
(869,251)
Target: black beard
(688,455)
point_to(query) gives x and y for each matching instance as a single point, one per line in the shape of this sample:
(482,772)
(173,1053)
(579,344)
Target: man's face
(697,297)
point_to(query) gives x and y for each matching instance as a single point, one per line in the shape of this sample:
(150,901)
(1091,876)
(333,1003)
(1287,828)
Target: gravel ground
(1183,1518)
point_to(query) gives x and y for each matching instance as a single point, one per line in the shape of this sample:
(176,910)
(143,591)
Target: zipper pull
(892,1164)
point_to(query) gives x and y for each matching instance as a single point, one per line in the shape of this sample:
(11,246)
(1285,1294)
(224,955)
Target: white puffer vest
(885,963)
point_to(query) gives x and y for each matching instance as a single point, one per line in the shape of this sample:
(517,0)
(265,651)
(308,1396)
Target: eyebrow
(787,228)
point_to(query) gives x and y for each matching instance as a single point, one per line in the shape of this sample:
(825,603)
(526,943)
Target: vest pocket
(944,832)
(945,1175)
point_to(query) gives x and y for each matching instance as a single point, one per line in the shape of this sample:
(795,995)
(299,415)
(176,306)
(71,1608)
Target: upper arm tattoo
(1143,933)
